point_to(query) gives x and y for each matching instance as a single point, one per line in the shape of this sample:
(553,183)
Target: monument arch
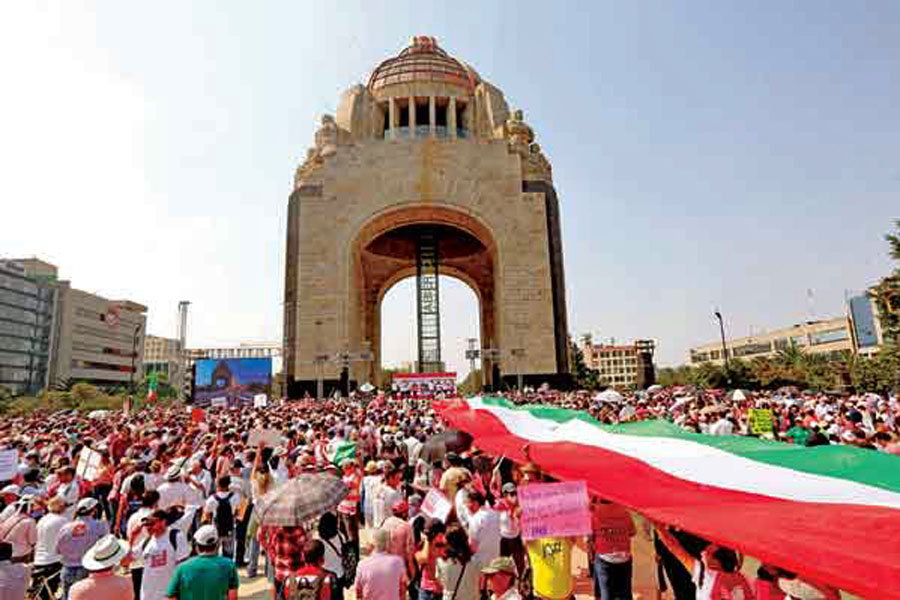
(423,171)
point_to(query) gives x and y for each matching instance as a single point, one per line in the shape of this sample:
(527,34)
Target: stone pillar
(432,116)
(392,117)
(451,117)
(412,117)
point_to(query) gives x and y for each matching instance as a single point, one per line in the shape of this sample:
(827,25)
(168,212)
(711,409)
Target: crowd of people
(805,418)
(167,509)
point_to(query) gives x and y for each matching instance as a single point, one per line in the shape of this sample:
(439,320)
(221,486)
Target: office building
(628,366)
(27,309)
(92,339)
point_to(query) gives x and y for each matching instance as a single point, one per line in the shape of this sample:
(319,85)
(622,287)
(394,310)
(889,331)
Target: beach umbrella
(610,396)
(366,387)
(301,499)
(736,395)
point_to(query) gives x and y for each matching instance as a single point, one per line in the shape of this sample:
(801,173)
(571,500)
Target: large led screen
(231,381)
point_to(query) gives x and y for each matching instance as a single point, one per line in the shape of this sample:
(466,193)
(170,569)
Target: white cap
(206,535)
(173,473)
(85,505)
(11,489)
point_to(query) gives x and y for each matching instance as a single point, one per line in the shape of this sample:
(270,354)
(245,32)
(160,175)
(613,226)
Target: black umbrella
(438,445)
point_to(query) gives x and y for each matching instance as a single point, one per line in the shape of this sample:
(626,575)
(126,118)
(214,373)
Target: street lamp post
(722,332)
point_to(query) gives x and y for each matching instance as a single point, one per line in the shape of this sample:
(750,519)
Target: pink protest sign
(436,505)
(555,510)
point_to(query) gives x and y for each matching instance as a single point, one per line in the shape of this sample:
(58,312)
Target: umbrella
(98,414)
(737,395)
(655,388)
(298,500)
(451,440)
(366,387)
(611,396)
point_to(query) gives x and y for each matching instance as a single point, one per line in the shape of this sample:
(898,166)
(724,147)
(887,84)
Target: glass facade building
(26,329)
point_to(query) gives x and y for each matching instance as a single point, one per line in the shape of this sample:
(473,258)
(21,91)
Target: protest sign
(271,437)
(88,464)
(219,402)
(761,421)
(436,505)
(555,509)
(343,452)
(9,460)
(260,401)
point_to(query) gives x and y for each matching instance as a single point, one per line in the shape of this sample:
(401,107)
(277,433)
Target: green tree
(585,378)
(674,376)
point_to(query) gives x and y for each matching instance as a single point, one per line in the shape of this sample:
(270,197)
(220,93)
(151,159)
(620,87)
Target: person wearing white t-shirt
(224,493)
(723,426)
(159,557)
(174,492)
(47,560)
(484,529)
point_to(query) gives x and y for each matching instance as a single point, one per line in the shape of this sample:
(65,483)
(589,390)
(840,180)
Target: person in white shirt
(47,561)
(68,490)
(159,557)
(483,529)
(10,494)
(13,578)
(723,426)
(226,530)
(175,492)
(371,486)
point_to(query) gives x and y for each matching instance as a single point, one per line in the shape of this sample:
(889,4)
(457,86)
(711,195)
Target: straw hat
(105,554)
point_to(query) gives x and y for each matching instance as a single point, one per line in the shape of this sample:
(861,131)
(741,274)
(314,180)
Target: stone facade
(426,142)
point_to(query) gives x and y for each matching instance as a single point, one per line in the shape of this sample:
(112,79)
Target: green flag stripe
(844,462)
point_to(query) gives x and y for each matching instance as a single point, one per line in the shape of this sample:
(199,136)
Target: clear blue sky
(707,154)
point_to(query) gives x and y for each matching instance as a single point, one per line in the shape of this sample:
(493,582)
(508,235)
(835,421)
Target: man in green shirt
(207,576)
(799,433)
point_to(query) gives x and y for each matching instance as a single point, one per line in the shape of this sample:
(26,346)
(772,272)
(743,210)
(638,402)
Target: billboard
(424,385)
(231,381)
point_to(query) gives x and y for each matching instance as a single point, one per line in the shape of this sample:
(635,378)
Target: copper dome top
(423,60)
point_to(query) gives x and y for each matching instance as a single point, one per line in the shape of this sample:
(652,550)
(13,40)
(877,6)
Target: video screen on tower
(231,381)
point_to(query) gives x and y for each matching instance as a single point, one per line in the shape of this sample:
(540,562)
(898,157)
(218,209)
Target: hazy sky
(706,154)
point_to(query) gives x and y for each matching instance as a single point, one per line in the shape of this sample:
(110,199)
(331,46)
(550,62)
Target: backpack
(224,518)
(349,560)
(300,588)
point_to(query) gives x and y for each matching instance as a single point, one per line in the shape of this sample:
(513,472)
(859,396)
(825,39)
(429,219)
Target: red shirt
(613,529)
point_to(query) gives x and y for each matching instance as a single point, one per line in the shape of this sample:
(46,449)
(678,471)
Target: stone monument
(424,171)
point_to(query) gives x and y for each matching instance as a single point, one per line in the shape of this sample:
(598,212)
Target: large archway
(462,164)
(384,253)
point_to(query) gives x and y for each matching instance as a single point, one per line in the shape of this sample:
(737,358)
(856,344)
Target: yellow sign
(761,421)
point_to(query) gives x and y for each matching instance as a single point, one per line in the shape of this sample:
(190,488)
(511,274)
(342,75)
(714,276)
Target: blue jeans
(71,576)
(427,595)
(612,580)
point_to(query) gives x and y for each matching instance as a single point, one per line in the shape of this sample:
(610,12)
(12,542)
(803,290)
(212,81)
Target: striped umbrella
(301,499)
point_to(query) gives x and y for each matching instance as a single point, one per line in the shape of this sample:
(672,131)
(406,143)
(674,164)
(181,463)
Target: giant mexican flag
(831,512)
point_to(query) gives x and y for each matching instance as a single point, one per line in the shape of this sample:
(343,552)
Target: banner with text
(555,510)
(424,385)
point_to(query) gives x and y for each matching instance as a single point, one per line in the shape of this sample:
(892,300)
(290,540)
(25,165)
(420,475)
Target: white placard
(272,437)
(88,464)
(219,402)
(260,401)
(436,505)
(9,460)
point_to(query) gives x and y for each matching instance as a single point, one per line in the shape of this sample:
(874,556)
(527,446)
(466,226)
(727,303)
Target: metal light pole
(722,332)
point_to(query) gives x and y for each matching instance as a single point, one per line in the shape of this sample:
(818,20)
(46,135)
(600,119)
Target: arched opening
(460,322)
(384,253)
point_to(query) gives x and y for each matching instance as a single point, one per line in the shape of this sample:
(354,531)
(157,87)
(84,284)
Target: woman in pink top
(430,586)
(20,529)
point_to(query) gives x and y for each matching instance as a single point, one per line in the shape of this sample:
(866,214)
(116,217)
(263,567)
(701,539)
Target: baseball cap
(206,535)
(11,489)
(85,505)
